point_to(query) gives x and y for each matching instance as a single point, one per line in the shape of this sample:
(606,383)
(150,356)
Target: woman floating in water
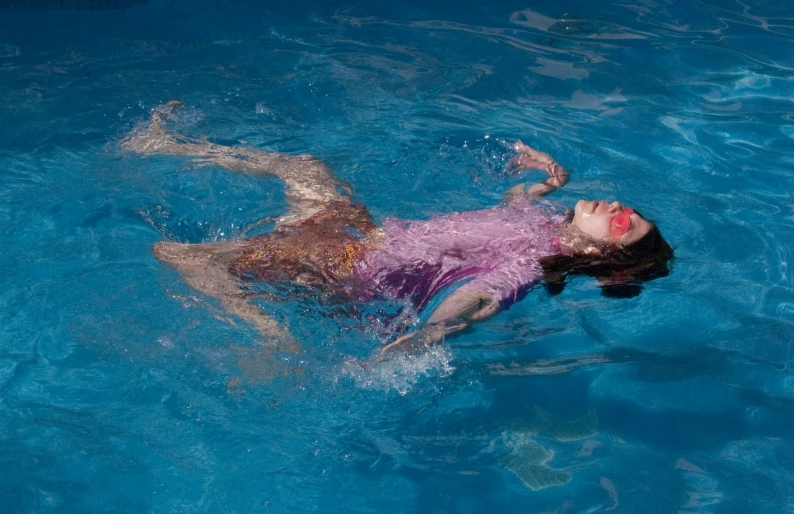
(329,242)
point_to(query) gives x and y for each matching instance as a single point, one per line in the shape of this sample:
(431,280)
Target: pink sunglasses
(621,223)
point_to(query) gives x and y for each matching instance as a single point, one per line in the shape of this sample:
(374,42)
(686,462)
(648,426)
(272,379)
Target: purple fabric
(497,250)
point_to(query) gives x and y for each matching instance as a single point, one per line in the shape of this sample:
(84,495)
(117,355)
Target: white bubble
(400,372)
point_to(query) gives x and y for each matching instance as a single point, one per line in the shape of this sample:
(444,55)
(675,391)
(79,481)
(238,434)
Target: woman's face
(609,222)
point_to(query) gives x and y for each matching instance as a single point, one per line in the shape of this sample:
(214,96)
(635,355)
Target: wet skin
(594,218)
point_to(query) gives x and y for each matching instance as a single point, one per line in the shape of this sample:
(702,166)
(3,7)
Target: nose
(615,207)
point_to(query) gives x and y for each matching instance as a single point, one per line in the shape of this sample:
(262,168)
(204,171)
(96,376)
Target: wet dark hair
(621,270)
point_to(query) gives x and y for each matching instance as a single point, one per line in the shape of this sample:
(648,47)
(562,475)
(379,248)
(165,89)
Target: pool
(123,389)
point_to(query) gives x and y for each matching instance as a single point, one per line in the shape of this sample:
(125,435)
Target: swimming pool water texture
(124,389)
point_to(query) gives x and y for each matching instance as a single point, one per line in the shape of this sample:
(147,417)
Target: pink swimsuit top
(496,251)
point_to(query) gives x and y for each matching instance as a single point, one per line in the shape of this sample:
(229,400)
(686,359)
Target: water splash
(400,372)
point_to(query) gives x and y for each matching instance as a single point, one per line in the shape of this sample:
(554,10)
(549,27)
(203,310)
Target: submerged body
(327,241)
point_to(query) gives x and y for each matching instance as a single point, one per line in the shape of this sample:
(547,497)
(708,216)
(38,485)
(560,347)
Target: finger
(556,171)
(394,345)
(525,162)
(514,164)
(516,167)
(539,156)
(522,147)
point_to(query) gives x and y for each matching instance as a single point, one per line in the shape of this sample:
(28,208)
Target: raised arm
(530,158)
(456,312)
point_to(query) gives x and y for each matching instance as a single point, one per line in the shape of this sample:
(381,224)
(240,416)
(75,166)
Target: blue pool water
(123,389)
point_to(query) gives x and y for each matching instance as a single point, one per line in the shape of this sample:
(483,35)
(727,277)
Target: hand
(165,109)
(414,341)
(406,344)
(528,158)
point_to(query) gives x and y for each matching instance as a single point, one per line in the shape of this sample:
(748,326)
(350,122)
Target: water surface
(123,389)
